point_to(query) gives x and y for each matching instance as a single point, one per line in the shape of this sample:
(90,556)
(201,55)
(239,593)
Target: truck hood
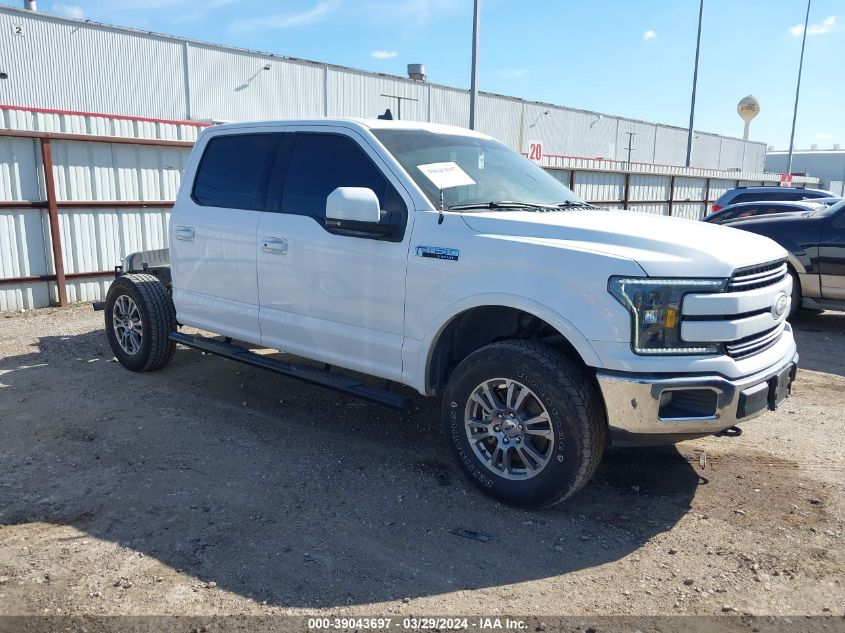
(662,246)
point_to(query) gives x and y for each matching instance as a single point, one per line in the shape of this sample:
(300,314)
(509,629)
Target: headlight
(655,306)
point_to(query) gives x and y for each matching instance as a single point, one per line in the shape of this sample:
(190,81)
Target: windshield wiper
(576,204)
(505,204)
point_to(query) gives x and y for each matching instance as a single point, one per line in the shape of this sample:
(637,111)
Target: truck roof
(370,124)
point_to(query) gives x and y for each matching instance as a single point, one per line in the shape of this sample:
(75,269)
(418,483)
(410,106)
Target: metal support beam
(671,195)
(53,213)
(94,138)
(5,281)
(626,192)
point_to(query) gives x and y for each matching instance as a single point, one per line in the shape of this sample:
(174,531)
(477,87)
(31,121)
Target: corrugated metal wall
(68,65)
(65,64)
(93,239)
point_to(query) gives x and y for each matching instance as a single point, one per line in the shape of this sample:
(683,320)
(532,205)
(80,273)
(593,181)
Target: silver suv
(756,194)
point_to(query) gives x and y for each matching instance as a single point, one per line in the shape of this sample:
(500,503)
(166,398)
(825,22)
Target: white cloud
(285,20)
(69,11)
(649,35)
(821,136)
(384,54)
(825,26)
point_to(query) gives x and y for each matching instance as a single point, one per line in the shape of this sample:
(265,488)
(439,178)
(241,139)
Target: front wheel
(139,319)
(524,422)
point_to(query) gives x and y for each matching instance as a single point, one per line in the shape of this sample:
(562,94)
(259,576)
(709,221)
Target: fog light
(688,403)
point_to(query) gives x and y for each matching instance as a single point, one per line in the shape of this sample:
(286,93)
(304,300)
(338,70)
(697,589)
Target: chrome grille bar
(757,278)
(754,344)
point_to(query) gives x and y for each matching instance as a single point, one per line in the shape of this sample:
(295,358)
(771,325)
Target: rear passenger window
(233,171)
(320,163)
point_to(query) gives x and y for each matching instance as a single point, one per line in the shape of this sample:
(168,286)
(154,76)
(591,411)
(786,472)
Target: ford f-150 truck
(436,257)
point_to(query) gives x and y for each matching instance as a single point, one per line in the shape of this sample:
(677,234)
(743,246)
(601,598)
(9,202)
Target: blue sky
(632,58)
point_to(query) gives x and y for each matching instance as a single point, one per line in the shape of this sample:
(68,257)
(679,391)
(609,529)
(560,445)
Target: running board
(323,377)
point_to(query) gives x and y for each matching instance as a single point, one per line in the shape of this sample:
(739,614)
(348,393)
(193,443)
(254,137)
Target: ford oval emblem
(780,305)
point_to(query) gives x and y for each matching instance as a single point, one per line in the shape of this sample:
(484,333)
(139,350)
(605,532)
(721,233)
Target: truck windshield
(473,172)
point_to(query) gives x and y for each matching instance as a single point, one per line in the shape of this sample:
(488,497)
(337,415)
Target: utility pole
(630,147)
(797,90)
(473,91)
(694,83)
(399,101)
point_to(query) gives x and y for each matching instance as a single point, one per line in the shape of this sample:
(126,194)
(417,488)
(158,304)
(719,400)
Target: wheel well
(795,277)
(474,328)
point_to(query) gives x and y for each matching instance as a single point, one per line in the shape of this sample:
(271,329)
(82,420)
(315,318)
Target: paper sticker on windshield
(446,175)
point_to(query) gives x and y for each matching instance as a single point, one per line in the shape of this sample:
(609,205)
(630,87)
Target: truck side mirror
(352,204)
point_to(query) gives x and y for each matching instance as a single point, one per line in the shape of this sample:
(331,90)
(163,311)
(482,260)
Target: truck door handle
(274,245)
(184,233)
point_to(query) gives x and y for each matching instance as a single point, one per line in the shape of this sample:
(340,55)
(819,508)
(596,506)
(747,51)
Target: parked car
(816,244)
(754,209)
(756,194)
(438,258)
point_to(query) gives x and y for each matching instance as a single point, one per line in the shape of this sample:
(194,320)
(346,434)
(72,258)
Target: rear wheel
(139,319)
(524,422)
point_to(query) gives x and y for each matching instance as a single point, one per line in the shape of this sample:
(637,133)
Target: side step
(323,377)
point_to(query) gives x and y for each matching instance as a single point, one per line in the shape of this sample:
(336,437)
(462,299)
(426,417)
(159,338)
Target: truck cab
(437,258)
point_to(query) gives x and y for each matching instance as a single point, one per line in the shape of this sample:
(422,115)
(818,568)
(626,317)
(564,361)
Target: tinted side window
(740,212)
(233,171)
(320,163)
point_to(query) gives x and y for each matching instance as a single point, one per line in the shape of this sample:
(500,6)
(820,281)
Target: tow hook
(731,431)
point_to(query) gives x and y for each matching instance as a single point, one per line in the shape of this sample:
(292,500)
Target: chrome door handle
(274,245)
(184,232)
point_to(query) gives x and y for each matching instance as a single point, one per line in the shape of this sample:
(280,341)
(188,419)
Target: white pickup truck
(436,257)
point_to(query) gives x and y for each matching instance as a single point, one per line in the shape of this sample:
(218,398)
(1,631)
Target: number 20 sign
(535,151)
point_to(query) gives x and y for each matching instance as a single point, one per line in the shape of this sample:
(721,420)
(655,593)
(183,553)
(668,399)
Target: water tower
(747,108)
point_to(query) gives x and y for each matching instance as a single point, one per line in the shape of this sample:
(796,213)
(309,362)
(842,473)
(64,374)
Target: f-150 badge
(438,252)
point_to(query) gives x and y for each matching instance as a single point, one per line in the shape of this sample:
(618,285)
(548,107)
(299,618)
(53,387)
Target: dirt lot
(212,488)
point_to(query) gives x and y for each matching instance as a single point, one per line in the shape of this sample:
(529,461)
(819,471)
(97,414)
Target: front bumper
(648,409)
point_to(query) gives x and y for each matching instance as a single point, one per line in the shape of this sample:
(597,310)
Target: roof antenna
(440,211)
(387,116)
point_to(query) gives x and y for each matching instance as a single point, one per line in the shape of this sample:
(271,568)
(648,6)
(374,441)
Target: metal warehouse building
(96,122)
(828,165)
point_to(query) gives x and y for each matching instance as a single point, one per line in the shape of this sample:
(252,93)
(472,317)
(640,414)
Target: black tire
(571,399)
(157,317)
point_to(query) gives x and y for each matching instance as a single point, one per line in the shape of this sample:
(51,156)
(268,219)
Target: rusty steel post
(53,213)
(671,196)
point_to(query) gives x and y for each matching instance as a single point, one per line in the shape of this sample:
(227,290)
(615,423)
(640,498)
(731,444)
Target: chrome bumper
(633,402)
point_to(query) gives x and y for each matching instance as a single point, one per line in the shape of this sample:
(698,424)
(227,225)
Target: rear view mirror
(352,204)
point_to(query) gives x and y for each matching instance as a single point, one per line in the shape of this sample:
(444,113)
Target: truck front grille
(754,344)
(746,322)
(757,276)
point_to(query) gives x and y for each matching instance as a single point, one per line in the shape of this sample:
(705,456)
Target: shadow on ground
(286,492)
(817,334)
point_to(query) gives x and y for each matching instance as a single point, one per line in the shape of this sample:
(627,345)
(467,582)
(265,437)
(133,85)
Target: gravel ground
(211,488)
